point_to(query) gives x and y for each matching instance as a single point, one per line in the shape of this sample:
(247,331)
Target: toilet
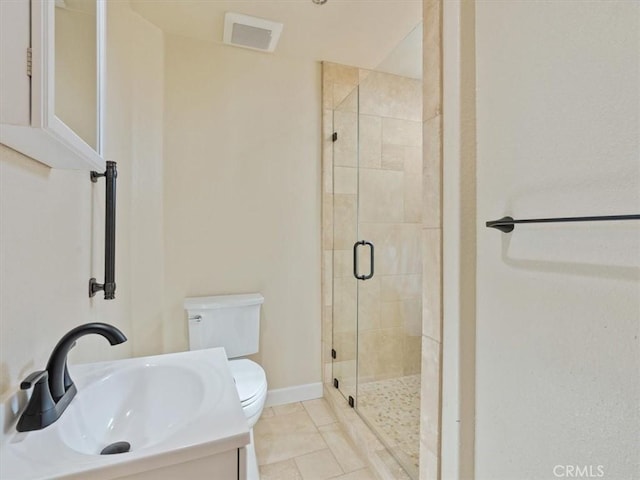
(233,322)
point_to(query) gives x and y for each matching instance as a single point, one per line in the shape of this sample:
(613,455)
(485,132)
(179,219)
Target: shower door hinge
(352,402)
(334,354)
(29,61)
(334,137)
(335,382)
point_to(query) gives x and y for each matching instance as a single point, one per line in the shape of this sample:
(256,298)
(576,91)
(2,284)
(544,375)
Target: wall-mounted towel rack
(109,285)
(507,224)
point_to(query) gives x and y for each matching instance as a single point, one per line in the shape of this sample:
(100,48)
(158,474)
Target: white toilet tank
(229,321)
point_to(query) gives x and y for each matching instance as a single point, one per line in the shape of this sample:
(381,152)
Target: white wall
(558,312)
(51,221)
(242,195)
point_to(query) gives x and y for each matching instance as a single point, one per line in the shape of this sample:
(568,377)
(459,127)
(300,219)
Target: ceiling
(361,33)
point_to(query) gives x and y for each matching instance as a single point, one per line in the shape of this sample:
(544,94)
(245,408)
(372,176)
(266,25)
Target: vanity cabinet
(222,466)
(52,67)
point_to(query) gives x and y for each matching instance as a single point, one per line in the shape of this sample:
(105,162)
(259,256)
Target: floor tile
(318,465)
(267,412)
(364,474)
(319,411)
(286,470)
(341,448)
(287,408)
(282,437)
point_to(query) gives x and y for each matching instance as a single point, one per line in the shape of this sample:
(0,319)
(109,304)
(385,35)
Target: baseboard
(299,393)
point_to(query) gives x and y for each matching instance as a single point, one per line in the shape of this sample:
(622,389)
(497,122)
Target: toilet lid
(249,377)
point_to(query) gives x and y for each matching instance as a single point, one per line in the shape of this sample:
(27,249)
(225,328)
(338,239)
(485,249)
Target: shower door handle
(355,260)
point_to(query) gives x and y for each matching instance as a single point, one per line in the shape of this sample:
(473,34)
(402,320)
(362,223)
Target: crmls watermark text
(578,471)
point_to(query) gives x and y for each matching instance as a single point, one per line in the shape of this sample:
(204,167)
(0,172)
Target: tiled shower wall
(389,131)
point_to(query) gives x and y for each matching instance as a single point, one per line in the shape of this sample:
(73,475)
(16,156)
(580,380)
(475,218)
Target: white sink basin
(170,408)
(142,405)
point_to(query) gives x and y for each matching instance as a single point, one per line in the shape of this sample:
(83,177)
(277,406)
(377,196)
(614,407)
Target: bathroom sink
(170,409)
(142,405)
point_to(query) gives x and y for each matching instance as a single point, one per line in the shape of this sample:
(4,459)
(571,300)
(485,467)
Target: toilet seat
(251,381)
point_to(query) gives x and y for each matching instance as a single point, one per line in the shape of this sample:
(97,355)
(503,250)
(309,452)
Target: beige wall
(558,311)
(242,195)
(51,230)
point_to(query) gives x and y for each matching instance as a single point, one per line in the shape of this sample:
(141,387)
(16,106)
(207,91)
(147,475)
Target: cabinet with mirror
(52,67)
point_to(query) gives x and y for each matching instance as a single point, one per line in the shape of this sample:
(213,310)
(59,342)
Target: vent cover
(251,32)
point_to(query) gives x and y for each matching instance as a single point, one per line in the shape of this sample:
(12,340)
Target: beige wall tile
(431,59)
(344,342)
(327,268)
(327,221)
(413,159)
(412,316)
(345,218)
(344,304)
(345,372)
(430,396)
(370,141)
(393,157)
(400,287)
(397,247)
(345,180)
(363,74)
(401,132)
(428,464)
(381,196)
(343,263)
(345,97)
(336,73)
(345,148)
(413,198)
(412,354)
(389,95)
(391,314)
(380,354)
(432,274)
(327,331)
(432,175)
(369,304)
(327,94)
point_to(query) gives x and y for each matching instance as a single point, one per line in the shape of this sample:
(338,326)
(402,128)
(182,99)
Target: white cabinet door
(52,88)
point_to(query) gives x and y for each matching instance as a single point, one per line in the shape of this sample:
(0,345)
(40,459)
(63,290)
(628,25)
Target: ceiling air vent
(251,32)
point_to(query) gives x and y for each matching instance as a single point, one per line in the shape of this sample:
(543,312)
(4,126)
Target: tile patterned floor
(392,407)
(302,441)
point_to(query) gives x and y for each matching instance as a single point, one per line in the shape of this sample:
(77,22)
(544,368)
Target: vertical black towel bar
(109,285)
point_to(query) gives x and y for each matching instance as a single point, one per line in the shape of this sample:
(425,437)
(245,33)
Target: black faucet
(53,389)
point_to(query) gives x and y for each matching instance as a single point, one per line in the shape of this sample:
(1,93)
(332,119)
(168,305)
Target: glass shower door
(345,234)
(389,316)
(377,265)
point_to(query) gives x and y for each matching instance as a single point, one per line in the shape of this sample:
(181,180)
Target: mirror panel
(76,68)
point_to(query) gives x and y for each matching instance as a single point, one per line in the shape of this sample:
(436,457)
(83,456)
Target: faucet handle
(34,378)
(41,406)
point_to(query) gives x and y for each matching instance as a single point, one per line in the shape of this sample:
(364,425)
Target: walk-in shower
(376,279)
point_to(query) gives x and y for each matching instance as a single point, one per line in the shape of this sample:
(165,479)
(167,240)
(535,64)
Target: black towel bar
(109,285)
(507,224)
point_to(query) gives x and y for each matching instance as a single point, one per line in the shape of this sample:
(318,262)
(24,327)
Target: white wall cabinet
(52,70)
